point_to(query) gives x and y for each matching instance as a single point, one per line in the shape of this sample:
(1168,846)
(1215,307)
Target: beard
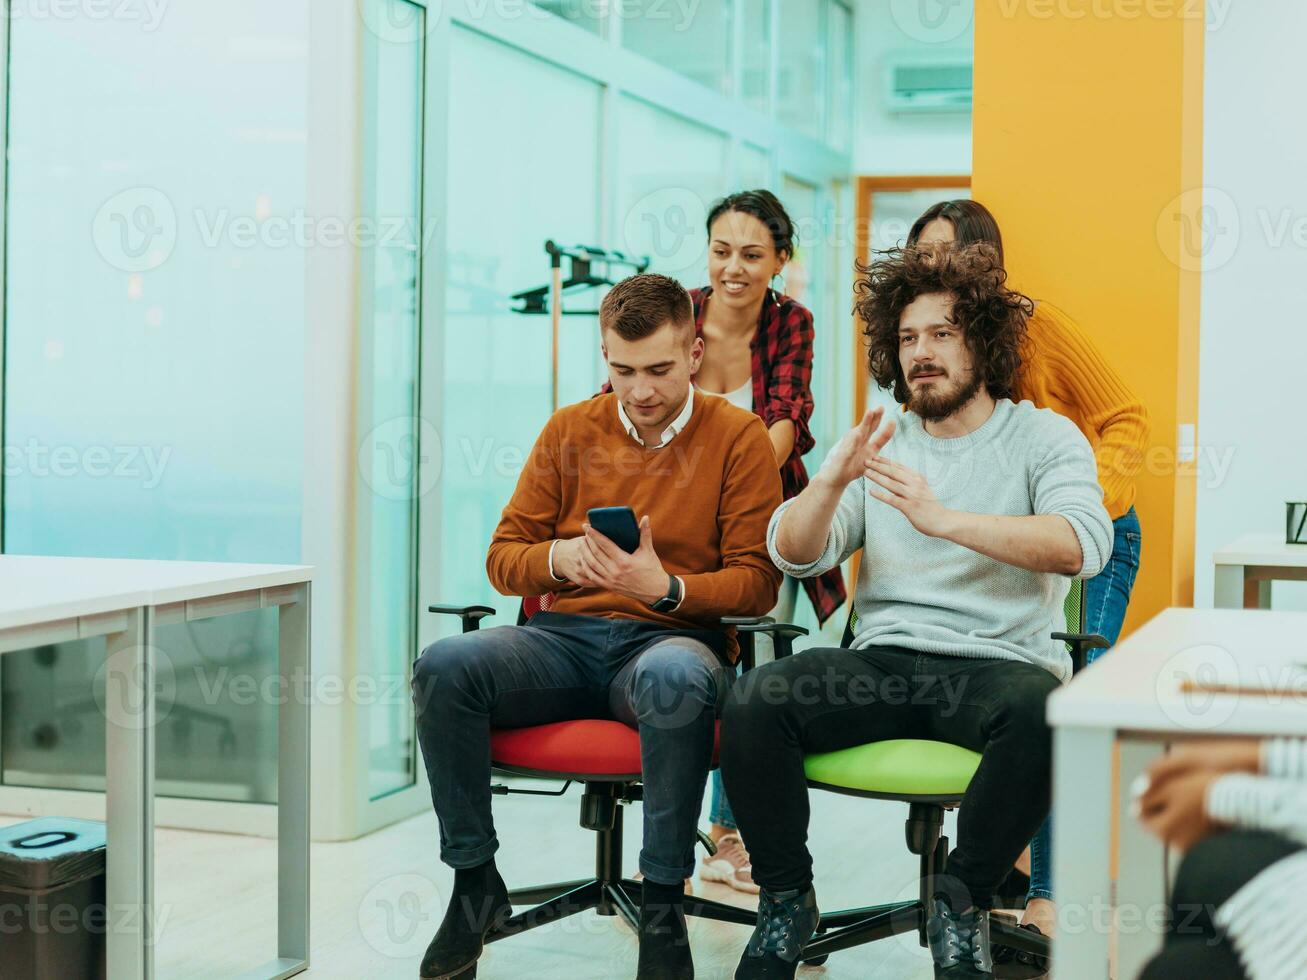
(935,402)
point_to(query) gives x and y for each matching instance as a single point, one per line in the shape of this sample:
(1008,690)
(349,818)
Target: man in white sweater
(972,512)
(1238,807)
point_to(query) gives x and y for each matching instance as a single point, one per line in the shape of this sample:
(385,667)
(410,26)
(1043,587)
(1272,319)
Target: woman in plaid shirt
(758,355)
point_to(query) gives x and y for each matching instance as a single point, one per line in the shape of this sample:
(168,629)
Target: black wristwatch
(673,598)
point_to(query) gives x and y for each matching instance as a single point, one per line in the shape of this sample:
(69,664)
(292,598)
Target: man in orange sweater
(636,637)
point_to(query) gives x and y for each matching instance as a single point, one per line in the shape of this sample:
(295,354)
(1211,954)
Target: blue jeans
(669,685)
(1106,596)
(721,814)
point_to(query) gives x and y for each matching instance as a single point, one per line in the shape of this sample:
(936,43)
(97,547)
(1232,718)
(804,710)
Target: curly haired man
(973,513)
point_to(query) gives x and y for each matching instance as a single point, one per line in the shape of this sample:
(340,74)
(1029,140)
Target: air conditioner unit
(917,85)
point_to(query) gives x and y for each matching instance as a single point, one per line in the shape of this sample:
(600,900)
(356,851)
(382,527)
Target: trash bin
(52,907)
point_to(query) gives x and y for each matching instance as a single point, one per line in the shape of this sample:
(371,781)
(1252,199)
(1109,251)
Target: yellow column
(1088,148)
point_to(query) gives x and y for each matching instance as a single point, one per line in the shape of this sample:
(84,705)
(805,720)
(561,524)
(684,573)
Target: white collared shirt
(674,428)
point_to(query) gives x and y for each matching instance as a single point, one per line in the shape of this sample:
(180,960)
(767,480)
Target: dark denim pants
(1106,596)
(669,685)
(830,699)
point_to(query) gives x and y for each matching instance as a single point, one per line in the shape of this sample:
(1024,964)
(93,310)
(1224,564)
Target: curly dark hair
(992,316)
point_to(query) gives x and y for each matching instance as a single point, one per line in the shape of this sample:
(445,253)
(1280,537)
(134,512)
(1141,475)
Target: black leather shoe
(664,938)
(478,906)
(959,942)
(786,921)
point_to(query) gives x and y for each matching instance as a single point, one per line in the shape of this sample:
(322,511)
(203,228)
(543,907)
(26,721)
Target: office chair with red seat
(604,757)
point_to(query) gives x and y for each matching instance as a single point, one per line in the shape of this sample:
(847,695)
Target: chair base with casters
(604,757)
(926,775)
(930,777)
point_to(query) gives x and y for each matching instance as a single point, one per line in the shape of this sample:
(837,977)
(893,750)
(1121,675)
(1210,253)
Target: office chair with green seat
(930,777)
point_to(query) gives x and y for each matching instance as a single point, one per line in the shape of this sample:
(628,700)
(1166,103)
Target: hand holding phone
(617,554)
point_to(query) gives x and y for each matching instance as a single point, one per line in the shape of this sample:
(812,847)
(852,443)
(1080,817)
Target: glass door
(392,438)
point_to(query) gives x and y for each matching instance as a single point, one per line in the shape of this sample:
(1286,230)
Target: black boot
(786,921)
(959,941)
(664,939)
(478,905)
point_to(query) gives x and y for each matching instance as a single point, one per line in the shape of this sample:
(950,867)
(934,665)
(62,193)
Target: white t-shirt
(741,397)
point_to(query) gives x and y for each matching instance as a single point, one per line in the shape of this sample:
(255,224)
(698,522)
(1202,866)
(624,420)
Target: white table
(54,600)
(1246,568)
(1134,695)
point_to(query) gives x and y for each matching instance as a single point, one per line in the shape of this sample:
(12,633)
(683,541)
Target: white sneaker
(729,865)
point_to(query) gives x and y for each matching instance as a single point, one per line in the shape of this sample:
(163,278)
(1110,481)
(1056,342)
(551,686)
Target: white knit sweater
(933,596)
(1264,918)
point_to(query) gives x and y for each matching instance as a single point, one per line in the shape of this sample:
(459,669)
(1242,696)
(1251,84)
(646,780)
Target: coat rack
(588,267)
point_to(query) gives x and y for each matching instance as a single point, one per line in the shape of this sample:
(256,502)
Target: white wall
(924,143)
(1253,342)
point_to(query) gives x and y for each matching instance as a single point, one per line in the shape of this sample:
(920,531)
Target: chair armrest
(470,615)
(1081,644)
(782,635)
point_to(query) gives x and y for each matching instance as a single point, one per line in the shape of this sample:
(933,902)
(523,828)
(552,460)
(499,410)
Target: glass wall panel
(524,169)
(693,39)
(839,72)
(582,13)
(805,273)
(755,53)
(801,76)
(670,171)
(754,167)
(154,335)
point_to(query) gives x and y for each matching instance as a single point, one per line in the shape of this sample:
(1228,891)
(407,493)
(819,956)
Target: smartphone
(618,525)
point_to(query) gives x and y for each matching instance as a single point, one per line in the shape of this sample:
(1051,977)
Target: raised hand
(907,491)
(855,450)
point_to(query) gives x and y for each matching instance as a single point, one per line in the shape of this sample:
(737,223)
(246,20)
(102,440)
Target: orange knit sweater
(709,494)
(1064,371)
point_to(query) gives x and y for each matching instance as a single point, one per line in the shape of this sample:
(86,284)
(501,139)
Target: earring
(775,293)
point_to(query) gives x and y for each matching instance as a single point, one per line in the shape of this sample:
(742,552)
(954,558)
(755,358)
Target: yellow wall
(1087,147)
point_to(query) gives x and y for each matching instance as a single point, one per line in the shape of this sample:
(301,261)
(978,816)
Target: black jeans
(669,685)
(1209,876)
(829,699)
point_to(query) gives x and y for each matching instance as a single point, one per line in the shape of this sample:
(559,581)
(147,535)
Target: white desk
(1134,695)
(1246,568)
(55,600)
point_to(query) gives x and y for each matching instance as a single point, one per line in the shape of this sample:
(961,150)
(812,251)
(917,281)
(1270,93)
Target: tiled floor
(376,901)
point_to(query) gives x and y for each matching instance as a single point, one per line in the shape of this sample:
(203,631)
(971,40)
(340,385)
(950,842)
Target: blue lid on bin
(49,852)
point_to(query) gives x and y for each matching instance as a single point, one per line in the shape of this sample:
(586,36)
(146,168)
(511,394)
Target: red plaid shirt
(782,389)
